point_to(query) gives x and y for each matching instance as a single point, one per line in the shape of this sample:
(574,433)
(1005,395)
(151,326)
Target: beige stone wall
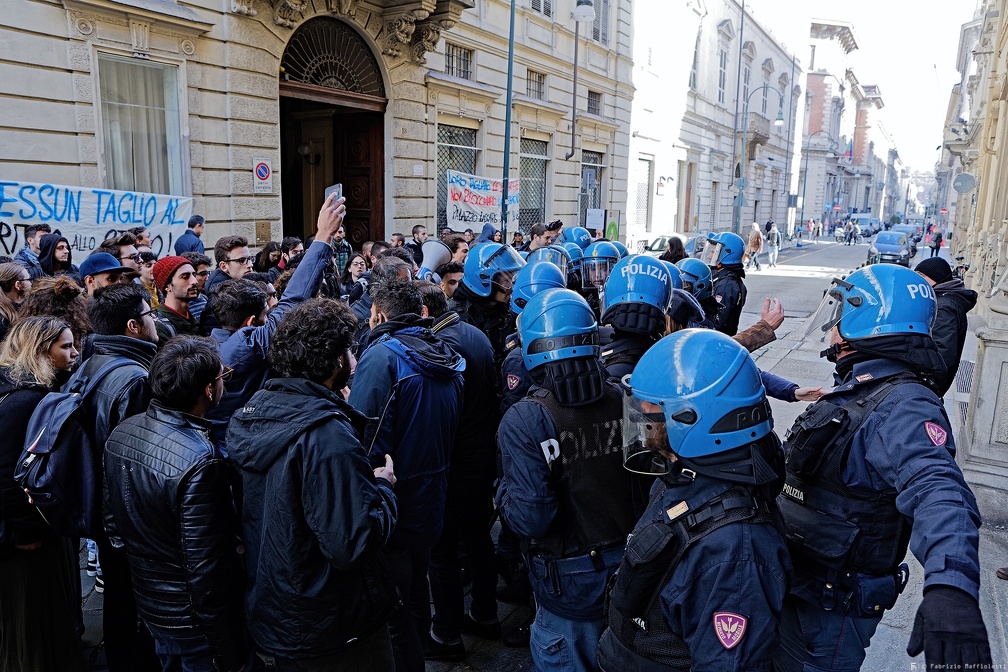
(228,64)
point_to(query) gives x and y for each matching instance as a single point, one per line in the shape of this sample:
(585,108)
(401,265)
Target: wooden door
(359,165)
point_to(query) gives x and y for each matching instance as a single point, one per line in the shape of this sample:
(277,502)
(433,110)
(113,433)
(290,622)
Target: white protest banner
(85,215)
(475,200)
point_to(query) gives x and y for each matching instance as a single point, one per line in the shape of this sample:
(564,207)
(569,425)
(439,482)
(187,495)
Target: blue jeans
(561,644)
(813,639)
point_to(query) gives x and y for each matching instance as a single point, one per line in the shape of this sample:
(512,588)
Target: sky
(906,47)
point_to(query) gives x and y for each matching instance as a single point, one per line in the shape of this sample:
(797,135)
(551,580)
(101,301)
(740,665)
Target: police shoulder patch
(937,434)
(513,381)
(729,628)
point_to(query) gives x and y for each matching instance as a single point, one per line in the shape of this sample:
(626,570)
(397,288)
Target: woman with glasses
(267,258)
(39,575)
(356,267)
(14,285)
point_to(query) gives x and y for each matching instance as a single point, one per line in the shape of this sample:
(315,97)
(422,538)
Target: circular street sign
(944,211)
(964,183)
(836,208)
(262,171)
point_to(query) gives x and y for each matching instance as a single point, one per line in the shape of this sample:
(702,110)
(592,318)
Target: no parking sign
(262,176)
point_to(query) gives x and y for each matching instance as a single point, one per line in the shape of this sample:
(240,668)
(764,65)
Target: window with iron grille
(600,28)
(746,74)
(458,61)
(642,202)
(544,7)
(765,89)
(722,78)
(532,175)
(595,103)
(591,183)
(456,150)
(535,85)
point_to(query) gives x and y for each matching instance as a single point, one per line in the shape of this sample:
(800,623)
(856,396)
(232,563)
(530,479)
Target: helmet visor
(827,316)
(711,253)
(645,437)
(554,257)
(505,258)
(595,271)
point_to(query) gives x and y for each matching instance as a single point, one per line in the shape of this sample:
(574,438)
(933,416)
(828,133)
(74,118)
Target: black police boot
(435,650)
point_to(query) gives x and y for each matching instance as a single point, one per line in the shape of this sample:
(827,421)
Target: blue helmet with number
(575,254)
(598,262)
(577,235)
(675,275)
(623,251)
(535,277)
(484,261)
(557,324)
(555,254)
(637,296)
(696,394)
(696,278)
(882,309)
(723,248)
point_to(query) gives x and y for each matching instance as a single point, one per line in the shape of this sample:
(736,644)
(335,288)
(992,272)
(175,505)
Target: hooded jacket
(412,382)
(950,325)
(487,234)
(47,252)
(315,521)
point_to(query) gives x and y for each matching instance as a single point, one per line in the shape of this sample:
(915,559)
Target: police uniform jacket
(730,291)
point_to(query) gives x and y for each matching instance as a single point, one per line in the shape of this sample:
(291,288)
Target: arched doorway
(332,105)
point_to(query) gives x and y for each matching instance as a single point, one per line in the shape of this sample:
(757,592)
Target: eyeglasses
(225,374)
(202,274)
(134,257)
(152,312)
(244,261)
(359,262)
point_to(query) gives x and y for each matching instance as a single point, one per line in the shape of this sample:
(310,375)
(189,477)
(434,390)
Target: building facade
(382,96)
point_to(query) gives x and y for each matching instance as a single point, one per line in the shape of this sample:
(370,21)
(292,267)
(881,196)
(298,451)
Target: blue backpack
(60,468)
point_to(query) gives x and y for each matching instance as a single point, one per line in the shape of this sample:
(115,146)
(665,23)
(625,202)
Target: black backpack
(60,468)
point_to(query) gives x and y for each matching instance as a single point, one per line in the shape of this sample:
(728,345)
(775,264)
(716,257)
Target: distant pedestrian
(754,247)
(769,224)
(773,240)
(936,241)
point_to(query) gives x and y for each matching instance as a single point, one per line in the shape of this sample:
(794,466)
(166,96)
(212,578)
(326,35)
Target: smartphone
(338,188)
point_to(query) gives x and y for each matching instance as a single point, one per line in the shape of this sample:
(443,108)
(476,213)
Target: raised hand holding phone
(331,215)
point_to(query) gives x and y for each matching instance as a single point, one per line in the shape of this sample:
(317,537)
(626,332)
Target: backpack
(60,466)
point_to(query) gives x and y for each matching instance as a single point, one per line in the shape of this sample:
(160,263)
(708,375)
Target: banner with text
(85,216)
(474,201)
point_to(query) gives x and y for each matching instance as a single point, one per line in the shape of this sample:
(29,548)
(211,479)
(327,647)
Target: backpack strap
(86,381)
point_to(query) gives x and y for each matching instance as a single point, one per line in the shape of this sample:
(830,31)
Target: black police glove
(949,630)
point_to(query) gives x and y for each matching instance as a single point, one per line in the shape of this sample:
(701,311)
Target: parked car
(694,245)
(910,231)
(891,247)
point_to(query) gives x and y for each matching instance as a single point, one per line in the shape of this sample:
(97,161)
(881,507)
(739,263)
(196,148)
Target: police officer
(597,264)
(696,278)
(723,253)
(563,490)
(635,304)
(577,235)
(555,254)
(575,255)
(870,472)
(484,294)
(706,569)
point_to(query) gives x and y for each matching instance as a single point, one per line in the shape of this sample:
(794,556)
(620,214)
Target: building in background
(383,96)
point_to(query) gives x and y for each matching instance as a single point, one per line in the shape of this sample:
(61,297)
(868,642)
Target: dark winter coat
(188,242)
(47,260)
(29,261)
(315,521)
(950,325)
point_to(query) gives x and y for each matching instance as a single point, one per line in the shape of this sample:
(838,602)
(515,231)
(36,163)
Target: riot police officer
(723,253)
(484,294)
(871,471)
(696,277)
(562,489)
(635,304)
(577,235)
(706,569)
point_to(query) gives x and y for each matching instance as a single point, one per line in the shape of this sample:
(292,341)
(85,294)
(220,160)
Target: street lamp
(584,11)
(801,219)
(507,128)
(742,182)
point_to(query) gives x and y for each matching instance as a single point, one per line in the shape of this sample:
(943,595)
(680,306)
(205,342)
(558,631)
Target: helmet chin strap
(832,352)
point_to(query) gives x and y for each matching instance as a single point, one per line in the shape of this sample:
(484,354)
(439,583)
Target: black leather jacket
(169,492)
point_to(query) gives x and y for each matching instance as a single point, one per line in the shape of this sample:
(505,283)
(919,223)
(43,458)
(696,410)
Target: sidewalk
(800,362)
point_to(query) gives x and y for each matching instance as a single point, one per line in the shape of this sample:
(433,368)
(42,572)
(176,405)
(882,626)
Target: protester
(412,382)
(469,494)
(398,239)
(355,268)
(316,516)
(101,270)
(59,297)
(290,247)
(39,573)
(123,249)
(451,276)
(674,252)
(190,240)
(55,257)
(267,258)
(458,246)
(28,256)
(15,282)
(415,245)
(202,265)
(173,513)
(177,279)
(539,236)
(233,259)
(951,323)
(142,236)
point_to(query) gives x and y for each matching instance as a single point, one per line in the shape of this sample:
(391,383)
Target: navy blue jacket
(906,448)
(516,381)
(245,350)
(950,327)
(741,570)
(314,520)
(777,387)
(412,383)
(730,291)
(30,261)
(188,242)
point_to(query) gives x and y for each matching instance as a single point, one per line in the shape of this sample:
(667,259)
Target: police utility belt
(846,543)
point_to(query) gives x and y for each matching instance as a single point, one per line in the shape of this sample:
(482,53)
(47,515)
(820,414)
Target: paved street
(799,281)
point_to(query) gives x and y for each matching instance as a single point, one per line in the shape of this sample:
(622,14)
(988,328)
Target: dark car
(910,231)
(891,247)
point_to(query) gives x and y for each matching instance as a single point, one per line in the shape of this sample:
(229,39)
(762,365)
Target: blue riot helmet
(623,251)
(696,277)
(684,310)
(575,255)
(882,309)
(555,254)
(524,255)
(555,325)
(486,260)
(637,296)
(577,235)
(697,395)
(535,277)
(675,275)
(598,262)
(723,248)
